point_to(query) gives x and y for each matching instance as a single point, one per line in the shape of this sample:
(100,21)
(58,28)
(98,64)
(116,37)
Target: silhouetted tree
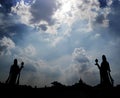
(57,84)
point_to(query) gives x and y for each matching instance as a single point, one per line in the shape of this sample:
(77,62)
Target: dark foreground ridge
(78,90)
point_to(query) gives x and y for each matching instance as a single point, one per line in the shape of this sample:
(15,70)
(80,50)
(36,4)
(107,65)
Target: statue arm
(98,66)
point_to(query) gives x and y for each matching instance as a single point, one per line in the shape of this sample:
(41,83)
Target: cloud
(6,44)
(56,18)
(50,16)
(23,11)
(35,12)
(114,19)
(85,12)
(71,11)
(6,5)
(80,67)
(103,17)
(38,72)
(105,3)
(81,59)
(79,55)
(43,10)
(11,27)
(30,50)
(42,72)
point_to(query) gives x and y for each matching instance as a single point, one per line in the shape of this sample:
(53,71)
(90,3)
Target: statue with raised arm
(105,76)
(14,73)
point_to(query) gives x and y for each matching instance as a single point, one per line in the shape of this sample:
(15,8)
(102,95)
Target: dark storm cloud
(11,31)
(115,19)
(43,27)
(9,23)
(103,3)
(100,19)
(5,19)
(16,31)
(7,4)
(20,29)
(43,10)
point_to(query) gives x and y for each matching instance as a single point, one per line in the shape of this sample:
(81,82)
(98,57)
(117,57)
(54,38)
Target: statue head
(103,57)
(15,61)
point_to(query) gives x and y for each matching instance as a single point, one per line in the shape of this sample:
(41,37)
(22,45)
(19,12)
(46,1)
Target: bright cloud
(54,14)
(23,11)
(30,50)
(6,44)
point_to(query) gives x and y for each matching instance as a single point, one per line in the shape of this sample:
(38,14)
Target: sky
(59,40)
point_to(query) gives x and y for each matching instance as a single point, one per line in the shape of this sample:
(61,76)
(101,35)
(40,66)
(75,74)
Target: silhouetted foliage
(57,84)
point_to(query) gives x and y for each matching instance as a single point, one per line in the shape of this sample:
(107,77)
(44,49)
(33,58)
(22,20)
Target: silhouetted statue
(105,76)
(14,73)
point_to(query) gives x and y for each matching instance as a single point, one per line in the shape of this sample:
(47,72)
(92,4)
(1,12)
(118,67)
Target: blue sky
(59,39)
